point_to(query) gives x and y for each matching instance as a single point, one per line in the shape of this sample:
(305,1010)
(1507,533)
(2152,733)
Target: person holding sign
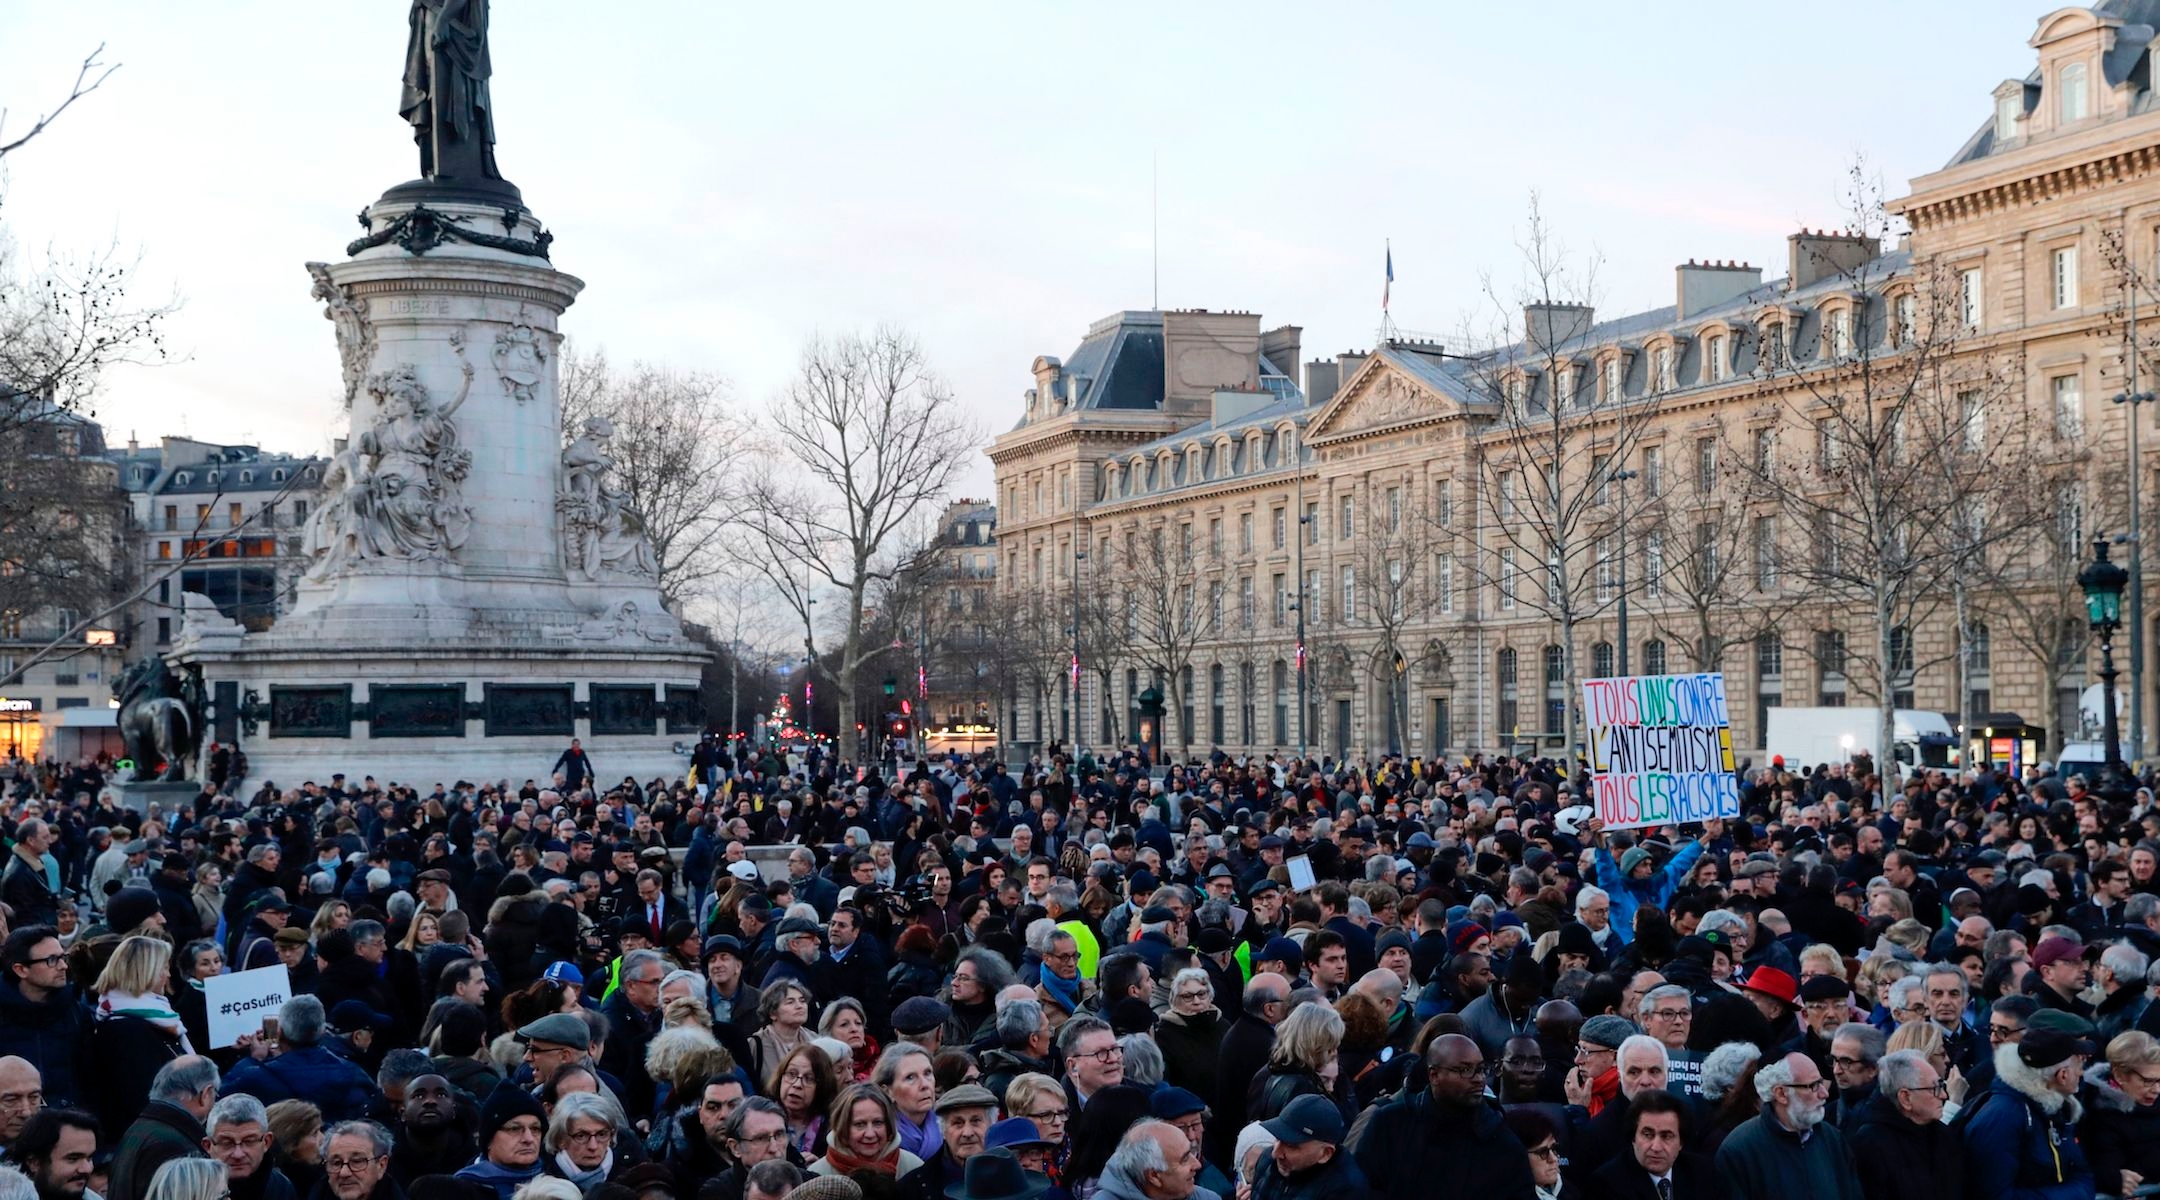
(1634,882)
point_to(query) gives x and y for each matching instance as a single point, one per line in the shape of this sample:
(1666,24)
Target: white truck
(1807,737)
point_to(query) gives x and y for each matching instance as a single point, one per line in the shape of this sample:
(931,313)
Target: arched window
(1978,650)
(1653,657)
(1601,660)
(1555,689)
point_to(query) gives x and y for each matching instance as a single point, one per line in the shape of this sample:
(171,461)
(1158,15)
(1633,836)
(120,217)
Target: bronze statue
(446,90)
(158,725)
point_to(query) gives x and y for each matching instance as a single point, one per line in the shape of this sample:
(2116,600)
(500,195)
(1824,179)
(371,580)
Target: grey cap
(967,1095)
(138,846)
(561,1029)
(795,927)
(1608,1031)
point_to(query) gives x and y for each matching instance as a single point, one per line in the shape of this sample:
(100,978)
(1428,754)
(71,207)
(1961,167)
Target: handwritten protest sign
(238,1002)
(1660,750)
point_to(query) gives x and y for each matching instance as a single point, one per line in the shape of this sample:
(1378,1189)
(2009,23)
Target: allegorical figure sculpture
(159,726)
(355,332)
(446,90)
(602,533)
(397,492)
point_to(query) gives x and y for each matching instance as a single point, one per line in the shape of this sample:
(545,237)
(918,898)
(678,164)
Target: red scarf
(845,1164)
(865,1064)
(1604,1090)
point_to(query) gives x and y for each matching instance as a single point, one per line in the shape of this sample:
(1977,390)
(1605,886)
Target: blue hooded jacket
(1631,894)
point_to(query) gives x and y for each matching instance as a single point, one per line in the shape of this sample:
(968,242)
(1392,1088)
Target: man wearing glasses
(1447,1142)
(1788,1152)
(239,1136)
(356,1162)
(1900,1136)
(41,1019)
(1093,1060)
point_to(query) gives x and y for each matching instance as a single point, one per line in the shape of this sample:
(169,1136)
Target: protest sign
(239,1002)
(1301,873)
(1660,750)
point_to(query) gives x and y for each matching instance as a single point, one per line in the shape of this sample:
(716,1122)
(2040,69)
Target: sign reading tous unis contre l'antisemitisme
(1660,750)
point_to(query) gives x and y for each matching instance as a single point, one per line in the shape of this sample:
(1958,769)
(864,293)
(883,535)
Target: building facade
(1869,481)
(955,687)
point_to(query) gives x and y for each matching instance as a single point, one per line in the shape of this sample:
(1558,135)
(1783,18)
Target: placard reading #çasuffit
(1660,749)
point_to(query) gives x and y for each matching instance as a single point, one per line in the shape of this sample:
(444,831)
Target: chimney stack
(1819,254)
(1702,286)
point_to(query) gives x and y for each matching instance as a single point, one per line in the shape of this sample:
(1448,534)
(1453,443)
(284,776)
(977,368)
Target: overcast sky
(730,178)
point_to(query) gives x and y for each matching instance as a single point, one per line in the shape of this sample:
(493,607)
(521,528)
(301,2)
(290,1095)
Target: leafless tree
(1392,589)
(866,440)
(1173,604)
(1887,432)
(1554,439)
(676,446)
(88,77)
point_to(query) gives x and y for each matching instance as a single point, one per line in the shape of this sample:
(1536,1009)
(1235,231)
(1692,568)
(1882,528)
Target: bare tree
(1173,604)
(88,77)
(675,445)
(1883,465)
(1544,473)
(865,441)
(1392,590)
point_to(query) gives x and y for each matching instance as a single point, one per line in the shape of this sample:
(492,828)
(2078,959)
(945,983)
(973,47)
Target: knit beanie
(505,1104)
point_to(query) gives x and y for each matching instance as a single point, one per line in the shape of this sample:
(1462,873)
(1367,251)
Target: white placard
(239,1002)
(1661,750)
(1301,876)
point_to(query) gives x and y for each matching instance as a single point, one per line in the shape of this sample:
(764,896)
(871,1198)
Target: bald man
(22,1093)
(1448,1141)
(1246,1045)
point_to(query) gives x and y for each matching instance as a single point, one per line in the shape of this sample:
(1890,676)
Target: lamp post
(2103,582)
(1151,712)
(1079,561)
(2131,396)
(1299,608)
(1399,700)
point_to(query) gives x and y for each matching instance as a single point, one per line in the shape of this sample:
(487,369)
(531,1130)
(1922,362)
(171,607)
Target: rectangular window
(1444,583)
(2064,276)
(1612,380)
(1394,586)
(1974,415)
(1281,531)
(1244,533)
(1908,319)
(1507,583)
(1394,510)
(1766,561)
(1312,522)
(1970,311)
(1184,541)
(1601,471)
(1653,471)
(1348,522)
(1765,450)
(2007,111)
(1245,601)
(1444,503)
(1607,576)
(1507,497)
(1714,356)
(1769,656)
(1654,564)
(2069,407)
(1214,606)
(1311,595)
(1666,378)
(1706,550)
(2071,92)
(1841,343)
(1705,465)
(1828,445)
(1349,594)
(164,630)
(1572,394)
(1214,536)
(1282,600)
(164,550)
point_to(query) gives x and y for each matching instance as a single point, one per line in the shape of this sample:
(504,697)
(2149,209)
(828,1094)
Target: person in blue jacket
(1635,881)
(2021,1134)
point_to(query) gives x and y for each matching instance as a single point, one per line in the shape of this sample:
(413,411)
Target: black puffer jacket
(2119,1134)
(1894,1153)
(49,1035)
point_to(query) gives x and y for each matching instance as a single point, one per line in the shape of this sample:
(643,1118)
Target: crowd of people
(1082,979)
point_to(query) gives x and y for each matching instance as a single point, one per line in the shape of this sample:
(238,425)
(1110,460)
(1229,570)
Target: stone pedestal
(477,593)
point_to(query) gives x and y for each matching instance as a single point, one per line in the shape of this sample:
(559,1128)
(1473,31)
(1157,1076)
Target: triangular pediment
(1380,395)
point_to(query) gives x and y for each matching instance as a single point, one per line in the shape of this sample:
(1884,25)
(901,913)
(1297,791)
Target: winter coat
(353,978)
(2117,1133)
(1629,894)
(1415,1149)
(1894,1153)
(1001,1066)
(914,975)
(2020,1138)
(311,1073)
(468,1075)
(1243,1054)
(49,1035)
(1189,1045)
(513,933)
(127,1051)
(1763,1160)
(23,887)
(165,1131)
(1273,1089)
(1339,1178)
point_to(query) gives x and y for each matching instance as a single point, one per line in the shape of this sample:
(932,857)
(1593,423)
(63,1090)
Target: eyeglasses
(1055,1116)
(50,960)
(1068,956)
(761,1139)
(1465,1071)
(1941,1089)
(1193,995)
(1550,1151)
(1672,1014)
(2003,1033)
(1589,1051)
(1107,1055)
(339,1166)
(1813,1085)
(590,1137)
(226,1145)
(1847,1060)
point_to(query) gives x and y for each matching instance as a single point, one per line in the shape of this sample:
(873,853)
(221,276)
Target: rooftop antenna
(1154,232)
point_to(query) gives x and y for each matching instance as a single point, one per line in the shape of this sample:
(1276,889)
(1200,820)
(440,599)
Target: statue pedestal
(447,628)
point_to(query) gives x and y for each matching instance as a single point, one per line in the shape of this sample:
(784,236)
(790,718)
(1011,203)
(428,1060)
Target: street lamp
(2103,582)
(1303,521)
(1151,711)
(1621,478)
(1400,701)
(1079,561)
(2132,397)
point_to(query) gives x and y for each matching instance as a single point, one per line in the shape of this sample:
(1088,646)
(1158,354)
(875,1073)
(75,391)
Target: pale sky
(729,179)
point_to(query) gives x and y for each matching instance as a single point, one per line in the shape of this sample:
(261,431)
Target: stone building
(1455,529)
(958,648)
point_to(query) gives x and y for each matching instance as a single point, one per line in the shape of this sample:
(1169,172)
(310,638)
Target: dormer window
(1907,313)
(2008,108)
(1516,390)
(1612,382)
(1841,343)
(181,478)
(278,476)
(247,477)
(1714,357)
(1663,364)
(2070,89)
